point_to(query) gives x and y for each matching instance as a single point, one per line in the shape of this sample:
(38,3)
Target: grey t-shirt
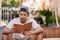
(17,21)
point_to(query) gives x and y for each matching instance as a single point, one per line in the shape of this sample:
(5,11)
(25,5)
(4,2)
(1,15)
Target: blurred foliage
(12,3)
(59,19)
(48,14)
(50,19)
(4,3)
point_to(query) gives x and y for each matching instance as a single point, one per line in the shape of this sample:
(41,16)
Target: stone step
(51,38)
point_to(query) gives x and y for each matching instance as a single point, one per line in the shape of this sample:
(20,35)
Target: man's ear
(28,15)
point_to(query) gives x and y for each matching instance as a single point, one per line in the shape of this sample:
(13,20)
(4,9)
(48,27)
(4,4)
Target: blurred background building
(8,8)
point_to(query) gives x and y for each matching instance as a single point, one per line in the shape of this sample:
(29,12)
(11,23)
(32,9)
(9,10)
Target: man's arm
(38,30)
(8,28)
(6,31)
(37,27)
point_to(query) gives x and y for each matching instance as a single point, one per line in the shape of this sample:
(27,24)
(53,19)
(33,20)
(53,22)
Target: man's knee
(40,36)
(7,37)
(34,37)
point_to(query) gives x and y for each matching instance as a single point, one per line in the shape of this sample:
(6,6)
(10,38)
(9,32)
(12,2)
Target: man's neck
(23,21)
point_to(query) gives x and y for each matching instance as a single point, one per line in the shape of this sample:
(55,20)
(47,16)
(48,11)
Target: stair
(51,38)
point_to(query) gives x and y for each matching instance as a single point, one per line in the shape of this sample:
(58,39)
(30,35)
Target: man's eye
(24,15)
(20,14)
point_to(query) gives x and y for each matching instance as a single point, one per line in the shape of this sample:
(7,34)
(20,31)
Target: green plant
(50,19)
(48,14)
(4,3)
(59,19)
(14,3)
(11,3)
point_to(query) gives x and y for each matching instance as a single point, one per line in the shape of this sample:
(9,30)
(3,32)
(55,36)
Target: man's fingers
(14,28)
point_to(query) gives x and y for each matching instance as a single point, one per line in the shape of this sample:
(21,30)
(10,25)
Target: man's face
(23,15)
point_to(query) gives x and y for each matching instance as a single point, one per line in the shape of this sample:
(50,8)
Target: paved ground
(51,38)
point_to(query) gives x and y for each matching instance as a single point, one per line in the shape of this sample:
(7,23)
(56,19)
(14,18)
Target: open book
(21,28)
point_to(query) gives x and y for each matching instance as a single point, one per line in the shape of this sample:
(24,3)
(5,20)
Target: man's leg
(40,36)
(4,37)
(34,37)
(7,37)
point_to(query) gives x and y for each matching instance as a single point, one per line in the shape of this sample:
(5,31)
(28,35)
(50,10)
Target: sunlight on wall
(36,4)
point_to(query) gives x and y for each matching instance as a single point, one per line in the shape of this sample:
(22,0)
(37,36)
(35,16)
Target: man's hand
(13,29)
(6,31)
(27,33)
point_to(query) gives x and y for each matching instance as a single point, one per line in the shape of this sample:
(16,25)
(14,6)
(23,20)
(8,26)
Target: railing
(8,14)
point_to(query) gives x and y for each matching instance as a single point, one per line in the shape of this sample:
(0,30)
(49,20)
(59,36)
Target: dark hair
(23,9)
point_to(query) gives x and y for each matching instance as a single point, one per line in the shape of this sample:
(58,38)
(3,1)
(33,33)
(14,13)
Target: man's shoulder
(14,20)
(31,19)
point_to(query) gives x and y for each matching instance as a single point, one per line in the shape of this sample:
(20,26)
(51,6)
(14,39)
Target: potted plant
(48,14)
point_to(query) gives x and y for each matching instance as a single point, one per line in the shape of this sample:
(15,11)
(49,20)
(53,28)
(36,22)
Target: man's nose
(22,16)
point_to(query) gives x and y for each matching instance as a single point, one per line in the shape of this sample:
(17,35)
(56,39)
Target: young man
(37,33)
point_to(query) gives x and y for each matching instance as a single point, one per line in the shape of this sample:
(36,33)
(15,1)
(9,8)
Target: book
(21,28)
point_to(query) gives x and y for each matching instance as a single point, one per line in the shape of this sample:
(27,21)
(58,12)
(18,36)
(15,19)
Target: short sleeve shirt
(17,21)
